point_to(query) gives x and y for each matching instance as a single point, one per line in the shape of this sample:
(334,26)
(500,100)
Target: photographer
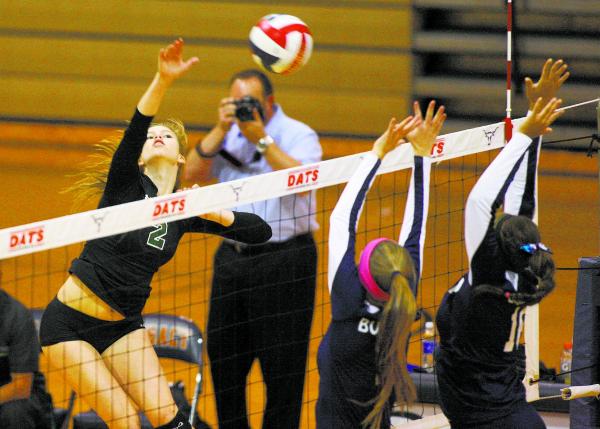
(262,296)
(24,404)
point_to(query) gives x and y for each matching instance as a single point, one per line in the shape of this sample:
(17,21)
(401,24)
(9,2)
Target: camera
(245,107)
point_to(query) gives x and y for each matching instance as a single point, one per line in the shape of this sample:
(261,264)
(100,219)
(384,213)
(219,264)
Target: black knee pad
(179,422)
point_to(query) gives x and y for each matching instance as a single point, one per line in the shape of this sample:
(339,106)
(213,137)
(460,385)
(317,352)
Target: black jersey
(119,268)
(346,357)
(479,365)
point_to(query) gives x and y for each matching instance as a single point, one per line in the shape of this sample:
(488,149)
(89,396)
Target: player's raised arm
(422,139)
(345,215)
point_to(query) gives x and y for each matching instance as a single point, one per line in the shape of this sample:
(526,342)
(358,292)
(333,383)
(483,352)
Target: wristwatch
(264,143)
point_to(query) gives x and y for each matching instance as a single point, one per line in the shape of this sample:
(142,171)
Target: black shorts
(62,323)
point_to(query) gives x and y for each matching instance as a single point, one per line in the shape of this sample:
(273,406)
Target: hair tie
(532,248)
(364,271)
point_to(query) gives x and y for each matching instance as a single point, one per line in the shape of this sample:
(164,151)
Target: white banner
(65,230)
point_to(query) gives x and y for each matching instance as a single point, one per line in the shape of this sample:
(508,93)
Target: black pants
(261,308)
(22,414)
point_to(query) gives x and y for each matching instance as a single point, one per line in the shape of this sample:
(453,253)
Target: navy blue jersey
(480,366)
(119,268)
(346,357)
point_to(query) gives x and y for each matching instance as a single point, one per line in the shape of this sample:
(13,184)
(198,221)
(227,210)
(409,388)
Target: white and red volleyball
(281,43)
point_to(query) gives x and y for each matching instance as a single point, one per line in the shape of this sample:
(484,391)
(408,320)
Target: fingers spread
(438,120)
(556,66)
(528,83)
(546,69)
(564,77)
(405,121)
(430,110)
(417,109)
(537,107)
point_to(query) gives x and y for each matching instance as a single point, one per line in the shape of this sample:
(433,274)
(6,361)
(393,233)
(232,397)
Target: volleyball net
(34,258)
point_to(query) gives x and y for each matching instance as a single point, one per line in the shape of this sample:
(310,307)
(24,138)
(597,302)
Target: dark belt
(256,249)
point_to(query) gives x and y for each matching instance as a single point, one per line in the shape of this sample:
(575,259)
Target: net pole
(507,119)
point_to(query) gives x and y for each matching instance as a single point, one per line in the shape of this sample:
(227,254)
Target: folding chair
(173,337)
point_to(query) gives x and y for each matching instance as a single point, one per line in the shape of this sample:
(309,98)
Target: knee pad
(179,422)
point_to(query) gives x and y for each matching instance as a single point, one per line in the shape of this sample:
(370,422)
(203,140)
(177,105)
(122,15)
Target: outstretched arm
(344,218)
(489,191)
(521,195)
(239,226)
(124,166)
(422,139)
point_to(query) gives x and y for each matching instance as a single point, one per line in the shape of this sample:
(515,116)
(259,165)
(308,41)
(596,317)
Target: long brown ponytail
(391,264)
(536,271)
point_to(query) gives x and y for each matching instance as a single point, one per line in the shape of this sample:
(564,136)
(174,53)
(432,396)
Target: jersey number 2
(156,237)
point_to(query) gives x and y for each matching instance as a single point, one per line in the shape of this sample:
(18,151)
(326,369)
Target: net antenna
(508,126)
(532,314)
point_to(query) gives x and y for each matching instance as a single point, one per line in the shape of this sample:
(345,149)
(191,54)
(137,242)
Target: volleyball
(281,43)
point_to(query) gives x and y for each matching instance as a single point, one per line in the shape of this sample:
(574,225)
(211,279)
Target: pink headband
(364,271)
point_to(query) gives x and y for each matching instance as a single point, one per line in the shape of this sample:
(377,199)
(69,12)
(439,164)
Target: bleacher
(460,57)
(89,61)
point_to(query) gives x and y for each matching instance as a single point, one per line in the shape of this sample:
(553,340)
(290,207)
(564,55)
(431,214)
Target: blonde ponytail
(91,180)
(392,338)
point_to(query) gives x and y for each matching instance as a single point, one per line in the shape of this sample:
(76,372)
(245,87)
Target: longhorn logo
(489,135)
(99,219)
(237,189)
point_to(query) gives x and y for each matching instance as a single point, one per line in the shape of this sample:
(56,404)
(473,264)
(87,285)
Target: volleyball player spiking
(480,364)
(93,329)
(362,358)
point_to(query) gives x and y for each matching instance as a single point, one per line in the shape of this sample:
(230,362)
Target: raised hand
(422,138)
(394,135)
(554,74)
(171,64)
(541,117)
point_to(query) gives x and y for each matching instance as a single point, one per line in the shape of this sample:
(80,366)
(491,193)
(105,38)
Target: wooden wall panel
(89,61)
(105,100)
(114,60)
(347,25)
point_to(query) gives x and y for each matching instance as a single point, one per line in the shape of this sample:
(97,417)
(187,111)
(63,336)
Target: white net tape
(65,230)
